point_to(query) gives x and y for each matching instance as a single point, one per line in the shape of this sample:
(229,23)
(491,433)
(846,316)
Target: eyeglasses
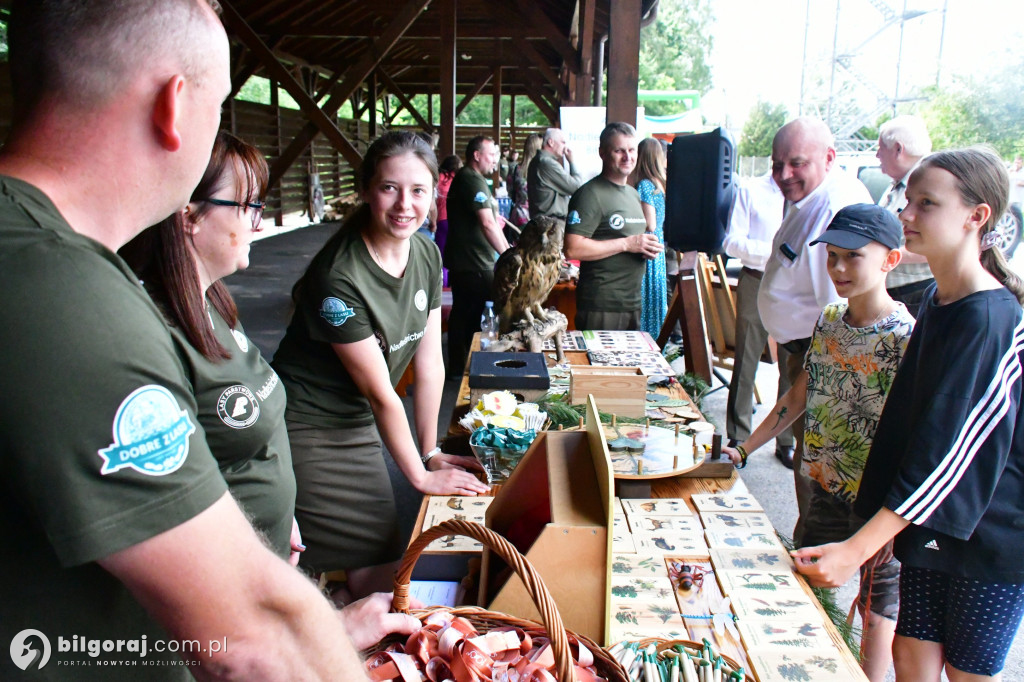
(256,206)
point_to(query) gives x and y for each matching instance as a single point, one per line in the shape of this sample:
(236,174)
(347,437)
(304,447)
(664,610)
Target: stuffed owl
(525,274)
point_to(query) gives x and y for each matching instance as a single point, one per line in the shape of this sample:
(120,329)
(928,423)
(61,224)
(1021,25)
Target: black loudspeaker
(699,193)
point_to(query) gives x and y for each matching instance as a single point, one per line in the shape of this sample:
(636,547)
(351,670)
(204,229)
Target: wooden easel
(704,304)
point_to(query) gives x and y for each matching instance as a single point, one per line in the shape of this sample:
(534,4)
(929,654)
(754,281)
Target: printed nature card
(785,666)
(455,543)
(647,616)
(655,507)
(751,559)
(736,520)
(639,565)
(671,543)
(785,635)
(743,538)
(648,589)
(759,582)
(776,607)
(622,542)
(619,521)
(725,502)
(657,524)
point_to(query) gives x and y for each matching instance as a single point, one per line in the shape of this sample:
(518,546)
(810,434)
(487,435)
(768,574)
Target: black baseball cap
(857,224)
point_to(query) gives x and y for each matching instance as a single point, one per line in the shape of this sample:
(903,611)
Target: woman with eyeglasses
(240,400)
(368,306)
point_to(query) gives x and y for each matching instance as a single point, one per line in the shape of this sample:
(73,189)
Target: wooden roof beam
(406,102)
(319,119)
(478,87)
(530,14)
(353,78)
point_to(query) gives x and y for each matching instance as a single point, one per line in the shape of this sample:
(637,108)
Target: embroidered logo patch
(932,545)
(616,222)
(574,218)
(243,343)
(335,311)
(420,300)
(480,198)
(150,434)
(237,407)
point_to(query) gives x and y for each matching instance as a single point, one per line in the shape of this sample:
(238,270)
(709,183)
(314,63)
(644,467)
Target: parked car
(865,167)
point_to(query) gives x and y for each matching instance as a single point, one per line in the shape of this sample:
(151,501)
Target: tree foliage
(758,132)
(674,50)
(979,112)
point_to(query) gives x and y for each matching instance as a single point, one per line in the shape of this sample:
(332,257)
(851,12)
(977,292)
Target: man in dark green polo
(606,231)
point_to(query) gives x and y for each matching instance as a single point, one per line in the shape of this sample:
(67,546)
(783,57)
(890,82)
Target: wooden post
(624,53)
(446,145)
(496,119)
(372,94)
(585,49)
(275,103)
(511,123)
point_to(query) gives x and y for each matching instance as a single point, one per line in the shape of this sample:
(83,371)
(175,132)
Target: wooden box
(556,508)
(618,390)
(525,375)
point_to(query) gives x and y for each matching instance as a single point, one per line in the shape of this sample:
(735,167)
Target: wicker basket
(484,620)
(663,644)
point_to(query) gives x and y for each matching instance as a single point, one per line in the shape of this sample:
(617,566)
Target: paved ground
(263,294)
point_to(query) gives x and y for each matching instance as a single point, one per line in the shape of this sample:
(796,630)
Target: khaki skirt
(344,502)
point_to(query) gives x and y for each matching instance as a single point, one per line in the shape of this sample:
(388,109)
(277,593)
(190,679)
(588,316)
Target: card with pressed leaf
(670,543)
(728,559)
(742,538)
(648,589)
(789,606)
(785,635)
(759,582)
(638,565)
(822,665)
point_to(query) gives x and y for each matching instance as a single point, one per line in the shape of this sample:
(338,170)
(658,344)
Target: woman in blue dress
(650,176)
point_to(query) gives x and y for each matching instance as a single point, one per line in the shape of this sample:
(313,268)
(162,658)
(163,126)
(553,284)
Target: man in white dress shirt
(753,222)
(902,143)
(796,286)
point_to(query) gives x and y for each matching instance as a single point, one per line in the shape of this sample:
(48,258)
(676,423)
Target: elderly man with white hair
(902,143)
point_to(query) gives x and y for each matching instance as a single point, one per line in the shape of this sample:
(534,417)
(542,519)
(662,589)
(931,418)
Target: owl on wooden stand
(523,277)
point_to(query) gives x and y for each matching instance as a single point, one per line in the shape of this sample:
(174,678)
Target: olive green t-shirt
(100,447)
(343,298)
(241,409)
(602,210)
(467,249)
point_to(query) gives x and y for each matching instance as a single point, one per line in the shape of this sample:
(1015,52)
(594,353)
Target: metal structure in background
(887,96)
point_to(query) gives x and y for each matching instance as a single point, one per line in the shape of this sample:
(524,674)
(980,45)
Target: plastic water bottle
(488,326)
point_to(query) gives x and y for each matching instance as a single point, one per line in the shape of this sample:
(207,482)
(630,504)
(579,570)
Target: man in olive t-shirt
(475,238)
(606,231)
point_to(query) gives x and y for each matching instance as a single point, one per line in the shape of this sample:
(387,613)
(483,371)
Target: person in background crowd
(446,173)
(902,143)
(945,476)
(855,352)
(520,213)
(755,218)
(475,239)
(796,286)
(606,230)
(503,164)
(548,182)
(650,185)
(117,522)
(368,305)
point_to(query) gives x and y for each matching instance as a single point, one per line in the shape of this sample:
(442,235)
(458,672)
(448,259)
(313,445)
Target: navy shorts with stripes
(974,620)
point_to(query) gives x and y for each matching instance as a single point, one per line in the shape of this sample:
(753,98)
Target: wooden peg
(614,419)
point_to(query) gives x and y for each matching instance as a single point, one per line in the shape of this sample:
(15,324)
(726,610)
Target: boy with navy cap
(855,351)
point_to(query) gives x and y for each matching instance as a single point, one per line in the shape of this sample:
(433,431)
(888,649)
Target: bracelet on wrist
(430,455)
(743,456)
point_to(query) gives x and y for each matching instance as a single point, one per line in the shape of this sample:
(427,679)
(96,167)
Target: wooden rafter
(319,119)
(478,87)
(352,79)
(533,15)
(405,101)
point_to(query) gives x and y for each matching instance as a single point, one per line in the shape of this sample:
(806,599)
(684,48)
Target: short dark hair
(613,129)
(83,51)
(161,258)
(475,145)
(450,164)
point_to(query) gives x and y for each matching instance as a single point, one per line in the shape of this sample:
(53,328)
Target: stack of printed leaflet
(782,627)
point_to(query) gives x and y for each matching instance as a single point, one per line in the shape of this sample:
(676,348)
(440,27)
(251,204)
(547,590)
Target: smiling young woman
(368,305)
